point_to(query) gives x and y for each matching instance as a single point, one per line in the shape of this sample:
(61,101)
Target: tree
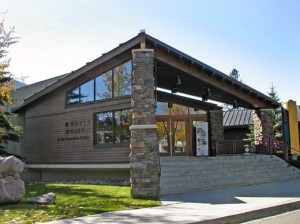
(235,74)
(250,147)
(277,120)
(8,131)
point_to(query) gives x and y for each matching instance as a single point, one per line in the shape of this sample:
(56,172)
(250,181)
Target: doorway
(177,134)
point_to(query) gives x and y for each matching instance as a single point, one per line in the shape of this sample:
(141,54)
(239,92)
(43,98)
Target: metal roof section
(237,118)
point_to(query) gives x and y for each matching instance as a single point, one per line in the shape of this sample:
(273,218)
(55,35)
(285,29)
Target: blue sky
(260,38)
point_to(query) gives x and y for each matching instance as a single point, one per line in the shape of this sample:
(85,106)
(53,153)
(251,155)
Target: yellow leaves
(5,90)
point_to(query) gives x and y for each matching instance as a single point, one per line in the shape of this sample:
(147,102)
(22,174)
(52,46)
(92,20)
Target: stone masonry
(216,128)
(144,158)
(263,122)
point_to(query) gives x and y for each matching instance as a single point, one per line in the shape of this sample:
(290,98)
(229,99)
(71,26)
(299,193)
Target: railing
(263,145)
(226,147)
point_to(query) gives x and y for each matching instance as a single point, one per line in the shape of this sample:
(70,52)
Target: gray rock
(11,190)
(49,198)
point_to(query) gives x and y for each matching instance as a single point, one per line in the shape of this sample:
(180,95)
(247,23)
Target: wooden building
(236,123)
(80,121)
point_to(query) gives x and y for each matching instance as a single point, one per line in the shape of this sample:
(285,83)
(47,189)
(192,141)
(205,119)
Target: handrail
(265,144)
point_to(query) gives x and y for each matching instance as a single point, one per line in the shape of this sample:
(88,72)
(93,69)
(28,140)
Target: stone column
(216,128)
(263,123)
(144,158)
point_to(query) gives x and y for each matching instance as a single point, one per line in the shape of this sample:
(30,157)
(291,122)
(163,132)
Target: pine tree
(250,148)
(277,121)
(8,132)
(235,74)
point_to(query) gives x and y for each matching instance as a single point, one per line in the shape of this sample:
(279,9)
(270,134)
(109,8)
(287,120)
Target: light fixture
(174,89)
(206,95)
(235,104)
(178,81)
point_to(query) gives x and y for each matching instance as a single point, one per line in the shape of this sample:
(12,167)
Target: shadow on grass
(79,200)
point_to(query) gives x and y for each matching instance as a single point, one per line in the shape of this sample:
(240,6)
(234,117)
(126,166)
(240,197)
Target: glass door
(179,141)
(172,135)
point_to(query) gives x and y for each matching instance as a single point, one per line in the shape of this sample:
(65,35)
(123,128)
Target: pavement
(233,205)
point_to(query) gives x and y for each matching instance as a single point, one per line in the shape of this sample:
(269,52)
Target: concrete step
(188,174)
(194,187)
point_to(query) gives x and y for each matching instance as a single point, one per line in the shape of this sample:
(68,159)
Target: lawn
(72,200)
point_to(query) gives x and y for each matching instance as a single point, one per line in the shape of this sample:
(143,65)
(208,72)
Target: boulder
(44,199)
(11,190)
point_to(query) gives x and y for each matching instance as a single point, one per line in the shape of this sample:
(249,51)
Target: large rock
(49,198)
(11,190)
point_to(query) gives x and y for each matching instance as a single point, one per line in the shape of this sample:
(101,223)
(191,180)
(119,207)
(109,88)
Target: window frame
(67,104)
(96,145)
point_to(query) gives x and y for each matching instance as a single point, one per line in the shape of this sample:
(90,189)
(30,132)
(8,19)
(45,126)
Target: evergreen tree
(277,120)
(250,148)
(235,74)
(8,132)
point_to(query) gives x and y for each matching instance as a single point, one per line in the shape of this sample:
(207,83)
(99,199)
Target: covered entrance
(177,135)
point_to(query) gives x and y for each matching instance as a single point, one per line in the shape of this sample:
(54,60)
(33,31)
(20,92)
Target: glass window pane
(179,136)
(163,137)
(73,96)
(122,122)
(104,128)
(162,109)
(179,110)
(87,91)
(122,80)
(104,86)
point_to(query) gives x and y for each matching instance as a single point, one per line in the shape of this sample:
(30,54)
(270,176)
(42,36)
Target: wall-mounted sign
(76,130)
(201,138)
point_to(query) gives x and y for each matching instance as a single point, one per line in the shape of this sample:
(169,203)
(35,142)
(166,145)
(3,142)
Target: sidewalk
(233,205)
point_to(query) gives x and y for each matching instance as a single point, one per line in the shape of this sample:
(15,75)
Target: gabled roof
(27,91)
(196,76)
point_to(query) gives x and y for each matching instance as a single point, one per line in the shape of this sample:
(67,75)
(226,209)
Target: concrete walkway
(233,205)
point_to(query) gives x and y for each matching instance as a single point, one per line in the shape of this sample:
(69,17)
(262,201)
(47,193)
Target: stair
(185,174)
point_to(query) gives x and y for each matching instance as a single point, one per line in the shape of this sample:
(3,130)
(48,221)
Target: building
(113,113)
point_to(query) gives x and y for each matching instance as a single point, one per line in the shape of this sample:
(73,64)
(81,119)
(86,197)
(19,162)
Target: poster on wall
(202,138)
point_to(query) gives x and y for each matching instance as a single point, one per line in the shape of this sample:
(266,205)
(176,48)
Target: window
(103,86)
(122,80)
(113,83)
(73,96)
(113,127)
(87,92)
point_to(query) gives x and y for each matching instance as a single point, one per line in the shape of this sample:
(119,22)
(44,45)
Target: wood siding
(49,136)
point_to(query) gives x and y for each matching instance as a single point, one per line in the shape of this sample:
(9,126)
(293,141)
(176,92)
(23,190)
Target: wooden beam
(212,81)
(142,40)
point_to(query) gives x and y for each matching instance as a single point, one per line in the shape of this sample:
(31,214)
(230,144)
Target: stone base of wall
(144,164)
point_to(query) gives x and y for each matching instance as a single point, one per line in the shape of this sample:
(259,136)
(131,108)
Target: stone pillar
(216,128)
(263,123)
(144,158)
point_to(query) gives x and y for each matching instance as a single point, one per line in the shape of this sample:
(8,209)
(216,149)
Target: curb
(255,214)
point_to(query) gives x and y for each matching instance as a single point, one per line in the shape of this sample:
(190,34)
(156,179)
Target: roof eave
(89,65)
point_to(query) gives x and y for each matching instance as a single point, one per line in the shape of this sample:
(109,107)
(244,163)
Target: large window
(113,127)
(113,83)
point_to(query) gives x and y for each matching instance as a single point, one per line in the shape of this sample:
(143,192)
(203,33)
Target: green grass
(71,201)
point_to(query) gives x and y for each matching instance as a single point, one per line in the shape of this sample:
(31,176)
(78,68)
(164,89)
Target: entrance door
(176,134)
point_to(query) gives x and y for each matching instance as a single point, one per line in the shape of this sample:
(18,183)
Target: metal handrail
(265,144)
